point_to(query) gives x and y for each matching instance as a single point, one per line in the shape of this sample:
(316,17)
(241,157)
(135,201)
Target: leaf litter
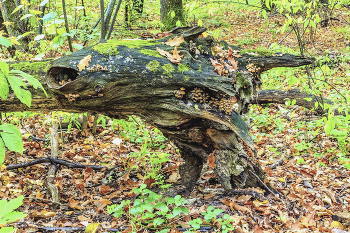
(315,193)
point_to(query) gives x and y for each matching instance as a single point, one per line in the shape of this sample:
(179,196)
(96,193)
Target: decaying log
(280,97)
(199,110)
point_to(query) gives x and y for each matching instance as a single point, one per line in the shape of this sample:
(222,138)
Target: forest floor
(315,185)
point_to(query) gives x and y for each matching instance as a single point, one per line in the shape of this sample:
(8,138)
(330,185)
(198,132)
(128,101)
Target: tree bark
(167,7)
(199,110)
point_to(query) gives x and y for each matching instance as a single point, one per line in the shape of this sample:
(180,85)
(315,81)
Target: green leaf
(7,230)
(200,23)
(2,152)
(8,207)
(4,67)
(4,87)
(23,95)
(25,16)
(292,80)
(12,137)
(148,207)
(49,16)
(172,14)
(77,46)
(58,41)
(5,42)
(35,12)
(30,78)
(264,14)
(158,221)
(17,9)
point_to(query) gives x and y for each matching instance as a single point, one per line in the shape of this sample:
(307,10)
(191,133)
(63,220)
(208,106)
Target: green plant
(149,208)
(10,136)
(8,215)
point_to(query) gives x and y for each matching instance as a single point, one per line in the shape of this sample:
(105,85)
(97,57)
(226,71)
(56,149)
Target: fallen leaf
(176,54)
(92,228)
(211,160)
(174,177)
(74,204)
(102,203)
(233,63)
(219,68)
(105,189)
(84,62)
(168,55)
(176,41)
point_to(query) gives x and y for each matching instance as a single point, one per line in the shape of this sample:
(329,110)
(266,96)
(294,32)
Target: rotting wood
(199,110)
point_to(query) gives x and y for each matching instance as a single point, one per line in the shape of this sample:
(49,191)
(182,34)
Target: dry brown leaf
(211,160)
(149,182)
(176,54)
(308,220)
(74,204)
(233,63)
(174,177)
(176,41)
(168,55)
(102,203)
(219,68)
(105,189)
(84,62)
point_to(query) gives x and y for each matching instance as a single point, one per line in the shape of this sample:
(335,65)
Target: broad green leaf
(23,95)
(8,207)
(200,23)
(35,12)
(172,14)
(30,78)
(7,230)
(25,16)
(292,80)
(17,9)
(58,41)
(5,42)
(264,14)
(4,87)
(12,217)
(49,16)
(12,137)
(4,67)
(158,221)
(77,46)
(2,152)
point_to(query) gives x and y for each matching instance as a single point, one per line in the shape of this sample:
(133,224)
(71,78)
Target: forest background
(305,154)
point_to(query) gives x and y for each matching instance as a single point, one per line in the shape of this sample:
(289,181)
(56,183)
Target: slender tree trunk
(66,24)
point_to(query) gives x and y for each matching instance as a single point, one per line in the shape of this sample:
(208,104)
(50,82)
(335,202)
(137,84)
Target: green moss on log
(182,68)
(153,65)
(32,67)
(257,52)
(150,52)
(168,69)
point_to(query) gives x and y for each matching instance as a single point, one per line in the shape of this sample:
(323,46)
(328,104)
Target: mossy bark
(190,103)
(167,7)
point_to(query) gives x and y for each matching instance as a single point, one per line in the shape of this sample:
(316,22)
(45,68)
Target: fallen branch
(280,97)
(58,161)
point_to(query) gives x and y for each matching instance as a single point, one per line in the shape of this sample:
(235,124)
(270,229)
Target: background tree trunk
(167,7)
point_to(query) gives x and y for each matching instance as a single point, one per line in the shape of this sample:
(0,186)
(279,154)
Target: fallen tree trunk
(194,106)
